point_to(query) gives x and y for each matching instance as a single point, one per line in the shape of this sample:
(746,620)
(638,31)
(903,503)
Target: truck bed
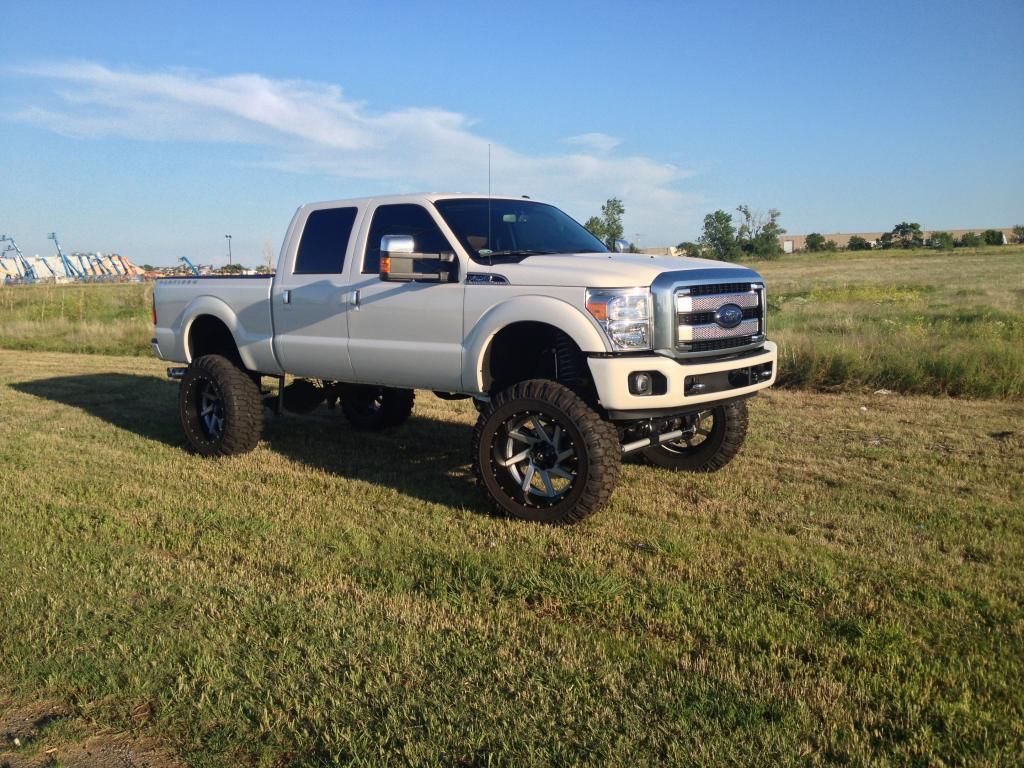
(240,302)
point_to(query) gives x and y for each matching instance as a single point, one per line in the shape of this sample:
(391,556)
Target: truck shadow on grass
(425,458)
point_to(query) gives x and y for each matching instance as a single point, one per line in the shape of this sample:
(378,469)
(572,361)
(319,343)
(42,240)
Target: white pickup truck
(574,354)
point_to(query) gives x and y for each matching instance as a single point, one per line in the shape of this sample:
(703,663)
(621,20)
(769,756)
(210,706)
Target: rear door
(312,296)
(406,334)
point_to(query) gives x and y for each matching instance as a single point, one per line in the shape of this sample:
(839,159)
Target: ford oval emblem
(729,315)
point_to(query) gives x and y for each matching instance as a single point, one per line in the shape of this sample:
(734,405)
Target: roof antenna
(490,249)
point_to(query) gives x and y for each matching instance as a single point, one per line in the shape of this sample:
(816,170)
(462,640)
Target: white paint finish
(423,335)
(613,391)
(489,308)
(311,327)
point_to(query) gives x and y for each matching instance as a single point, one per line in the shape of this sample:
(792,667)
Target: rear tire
(371,409)
(220,407)
(718,437)
(542,454)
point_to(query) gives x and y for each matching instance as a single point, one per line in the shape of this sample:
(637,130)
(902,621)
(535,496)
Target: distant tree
(992,237)
(815,242)
(231,269)
(943,241)
(719,236)
(969,240)
(148,268)
(608,228)
(595,226)
(690,250)
(831,246)
(1018,234)
(906,235)
(858,243)
(758,235)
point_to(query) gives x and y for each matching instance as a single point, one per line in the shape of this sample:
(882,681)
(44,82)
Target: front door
(406,334)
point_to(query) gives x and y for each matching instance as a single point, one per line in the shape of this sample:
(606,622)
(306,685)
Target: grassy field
(110,319)
(850,590)
(911,321)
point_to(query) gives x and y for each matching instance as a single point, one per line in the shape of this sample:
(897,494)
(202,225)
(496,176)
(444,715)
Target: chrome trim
(713,331)
(665,314)
(715,301)
(484,278)
(397,244)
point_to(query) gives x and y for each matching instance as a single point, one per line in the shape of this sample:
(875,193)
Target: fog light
(640,384)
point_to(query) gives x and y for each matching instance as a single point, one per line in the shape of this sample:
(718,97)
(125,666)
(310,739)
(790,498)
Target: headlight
(625,315)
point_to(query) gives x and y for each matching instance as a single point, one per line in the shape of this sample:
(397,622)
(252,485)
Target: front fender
(566,317)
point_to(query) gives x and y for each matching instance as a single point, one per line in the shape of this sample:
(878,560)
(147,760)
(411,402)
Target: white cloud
(600,143)
(309,127)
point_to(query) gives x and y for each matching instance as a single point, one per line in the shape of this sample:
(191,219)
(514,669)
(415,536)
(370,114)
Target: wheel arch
(514,316)
(212,328)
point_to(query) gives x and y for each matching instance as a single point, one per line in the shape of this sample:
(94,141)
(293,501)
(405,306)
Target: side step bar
(176,373)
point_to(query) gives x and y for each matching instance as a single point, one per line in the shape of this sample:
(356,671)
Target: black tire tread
(736,422)
(243,424)
(604,450)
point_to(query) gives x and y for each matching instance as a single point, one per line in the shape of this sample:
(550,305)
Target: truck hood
(601,270)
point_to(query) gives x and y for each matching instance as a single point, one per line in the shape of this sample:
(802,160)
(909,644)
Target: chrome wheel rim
(211,410)
(538,457)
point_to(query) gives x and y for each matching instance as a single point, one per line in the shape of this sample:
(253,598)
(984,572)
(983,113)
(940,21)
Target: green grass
(910,321)
(110,319)
(849,590)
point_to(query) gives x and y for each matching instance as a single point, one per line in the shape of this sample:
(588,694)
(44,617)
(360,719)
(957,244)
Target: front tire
(542,454)
(220,407)
(717,436)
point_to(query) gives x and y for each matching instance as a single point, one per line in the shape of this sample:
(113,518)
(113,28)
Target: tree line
(757,235)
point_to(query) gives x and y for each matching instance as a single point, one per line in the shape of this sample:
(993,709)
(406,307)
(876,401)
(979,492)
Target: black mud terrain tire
(220,407)
(718,437)
(371,409)
(542,454)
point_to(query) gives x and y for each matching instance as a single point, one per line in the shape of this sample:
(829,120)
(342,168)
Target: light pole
(229,248)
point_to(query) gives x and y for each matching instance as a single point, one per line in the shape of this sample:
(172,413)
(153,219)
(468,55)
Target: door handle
(286,297)
(353,298)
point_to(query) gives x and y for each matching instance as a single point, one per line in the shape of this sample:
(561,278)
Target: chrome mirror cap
(397,244)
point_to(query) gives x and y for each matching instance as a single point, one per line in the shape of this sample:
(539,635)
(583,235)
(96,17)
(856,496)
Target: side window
(405,219)
(324,242)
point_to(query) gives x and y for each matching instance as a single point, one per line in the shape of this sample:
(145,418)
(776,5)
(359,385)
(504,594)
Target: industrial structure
(16,267)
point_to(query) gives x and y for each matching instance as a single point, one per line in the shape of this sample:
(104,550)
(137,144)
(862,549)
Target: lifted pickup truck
(574,354)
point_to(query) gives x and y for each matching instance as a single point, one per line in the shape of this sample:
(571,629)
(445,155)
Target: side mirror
(621,246)
(400,263)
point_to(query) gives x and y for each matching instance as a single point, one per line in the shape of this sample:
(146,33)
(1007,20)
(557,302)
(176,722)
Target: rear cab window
(324,242)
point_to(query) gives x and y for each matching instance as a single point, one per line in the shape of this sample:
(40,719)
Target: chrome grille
(696,328)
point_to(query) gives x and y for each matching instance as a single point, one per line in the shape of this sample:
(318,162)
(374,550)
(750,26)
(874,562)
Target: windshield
(515,229)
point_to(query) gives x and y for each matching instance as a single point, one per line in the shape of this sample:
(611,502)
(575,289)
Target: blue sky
(155,129)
